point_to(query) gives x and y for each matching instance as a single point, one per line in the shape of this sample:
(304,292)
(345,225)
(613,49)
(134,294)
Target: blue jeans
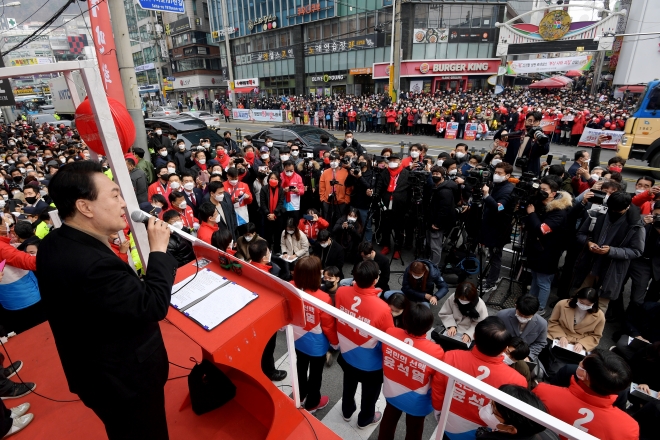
(369,233)
(541,285)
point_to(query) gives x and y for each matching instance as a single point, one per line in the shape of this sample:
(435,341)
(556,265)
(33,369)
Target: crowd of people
(346,214)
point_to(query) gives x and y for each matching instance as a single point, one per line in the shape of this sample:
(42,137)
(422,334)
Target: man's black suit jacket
(103,317)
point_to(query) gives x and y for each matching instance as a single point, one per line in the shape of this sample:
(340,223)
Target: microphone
(142,217)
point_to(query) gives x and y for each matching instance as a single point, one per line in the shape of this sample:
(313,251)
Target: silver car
(208,118)
(164,111)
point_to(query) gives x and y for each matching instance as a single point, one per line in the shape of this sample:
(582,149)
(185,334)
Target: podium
(236,346)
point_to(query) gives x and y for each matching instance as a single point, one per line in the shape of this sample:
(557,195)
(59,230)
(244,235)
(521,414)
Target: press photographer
(439,213)
(534,145)
(498,206)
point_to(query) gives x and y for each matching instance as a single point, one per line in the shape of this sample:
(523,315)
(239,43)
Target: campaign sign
(452,128)
(470,132)
(590,135)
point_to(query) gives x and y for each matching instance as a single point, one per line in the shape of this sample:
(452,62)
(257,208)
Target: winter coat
(440,210)
(496,224)
(451,316)
(547,229)
(332,255)
(626,239)
(416,292)
(400,197)
(587,333)
(291,246)
(367,180)
(578,125)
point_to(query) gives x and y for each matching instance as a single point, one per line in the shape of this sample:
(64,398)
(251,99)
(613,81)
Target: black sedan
(308,137)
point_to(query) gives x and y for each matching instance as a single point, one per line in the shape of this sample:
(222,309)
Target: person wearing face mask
(415,157)
(350,141)
(581,160)
(245,240)
(320,149)
(496,221)
(295,153)
(394,190)
(225,215)
(522,321)
(347,231)
(462,311)
(182,157)
(611,240)
(17,177)
(194,196)
(334,190)
(292,185)
(208,224)
(515,355)
(589,398)
(547,228)
(138,179)
(491,340)
(161,185)
(274,152)
(161,158)
(460,154)
(329,251)
(293,243)
(33,198)
(272,209)
(200,165)
(239,194)
(178,247)
(422,283)
(146,166)
(503,423)
(645,191)
(178,203)
(231,147)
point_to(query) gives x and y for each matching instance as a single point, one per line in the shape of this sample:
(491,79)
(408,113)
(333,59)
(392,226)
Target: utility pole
(127,73)
(230,70)
(396,36)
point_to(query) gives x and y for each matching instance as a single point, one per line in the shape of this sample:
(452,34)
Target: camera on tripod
(476,179)
(527,191)
(417,180)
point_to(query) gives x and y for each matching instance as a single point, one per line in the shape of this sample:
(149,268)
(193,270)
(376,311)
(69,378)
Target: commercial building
(637,60)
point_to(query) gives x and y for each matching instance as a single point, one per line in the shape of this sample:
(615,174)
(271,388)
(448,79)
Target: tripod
(517,262)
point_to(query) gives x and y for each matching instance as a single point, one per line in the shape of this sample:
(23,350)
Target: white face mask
(439,162)
(522,320)
(206,145)
(414,154)
(182,205)
(188,186)
(264,156)
(349,140)
(2,204)
(202,161)
(417,277)
(245,143)
(182,147)
(454,172)
(284,157)
(639,191)
(159,132)
(595,177)
(269,144)
(460,155)
(498,179)
(289,232)
(248,237)
(324,245)
(5,197)
(175,185)
(464,302)
(487,416)
(289,173)
(295,153)
(495,161)
(334,164)
(507,360)
(233,182)
(163,153)
(583,306)
(178,225)
(393,165)
(171,170)
(219,197)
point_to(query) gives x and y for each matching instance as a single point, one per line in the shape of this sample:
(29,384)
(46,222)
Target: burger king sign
(424,68)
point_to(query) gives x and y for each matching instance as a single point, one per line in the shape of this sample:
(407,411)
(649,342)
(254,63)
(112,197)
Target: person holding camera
(547,227)
(440,215)
(394,190)
(496,221)
(534,145)
(348,233)
(363,190)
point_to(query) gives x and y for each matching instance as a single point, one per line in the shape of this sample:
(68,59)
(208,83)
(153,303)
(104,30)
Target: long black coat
(496,223)
(104,319)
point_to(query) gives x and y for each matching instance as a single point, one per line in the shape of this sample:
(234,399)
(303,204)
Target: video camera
(476,179)
(417,180)
(527,190)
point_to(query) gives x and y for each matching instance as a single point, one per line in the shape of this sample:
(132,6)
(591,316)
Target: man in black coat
(103,317)
(439,214)
(158,141)
(394,190)
(329,251)
(225,214)
(534,148)
(496,221)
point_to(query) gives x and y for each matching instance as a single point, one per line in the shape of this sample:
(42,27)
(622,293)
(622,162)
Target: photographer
(546,225)
(310,171)
(363,191)
(415,158)
(534,145)
(394,191)
(348,233)
(496,221)
(440,213)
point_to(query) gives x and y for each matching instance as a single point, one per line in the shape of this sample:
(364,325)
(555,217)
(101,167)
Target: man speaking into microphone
(103,317)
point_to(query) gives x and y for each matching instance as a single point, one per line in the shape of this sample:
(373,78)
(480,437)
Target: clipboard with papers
(209,299)
(635,391)
(567,352)
(637,344)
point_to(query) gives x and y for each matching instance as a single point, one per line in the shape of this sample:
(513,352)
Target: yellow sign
(360,71)
(580,48)
(390,71)
(554,25)
(231,85)
(215,34)
(27,90)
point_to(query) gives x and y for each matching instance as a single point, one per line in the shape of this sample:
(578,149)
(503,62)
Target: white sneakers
(20,418)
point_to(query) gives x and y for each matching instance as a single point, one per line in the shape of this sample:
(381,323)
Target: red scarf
(250,158)
(394,176)
(272,203)
(223,160)
(201,166)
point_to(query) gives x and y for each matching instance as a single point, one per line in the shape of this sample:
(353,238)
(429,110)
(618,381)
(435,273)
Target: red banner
(106,53)
(470,132)
(452,129)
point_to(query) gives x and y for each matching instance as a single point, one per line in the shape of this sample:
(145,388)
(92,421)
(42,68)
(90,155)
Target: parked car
(211,120)
(48,118)
(163,111)
(308,136)
(191,130)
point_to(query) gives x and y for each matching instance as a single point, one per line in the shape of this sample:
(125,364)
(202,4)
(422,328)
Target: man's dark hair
(614,175)
(174,195)
(508,169)
(226,133)
(556,170)
(206,210)
(250,228)
(24,230)
(418,319)
(130,161)
(258,250)
(616,159)
(323,235)
(324,138)
(72,182)
(650,179)
(348,132)
(288,163)
(551,182)
(525,427)
(608,372)
(186,174)
(169,215)
(365,248)
(491,336)
(332,271)
(617,201)
(139,152)
(611,184)
(212,187)
(579,154)
(527,305)
(520,348)
(232,172)
(365,273)
(221,239)
(536,115)
(461,144)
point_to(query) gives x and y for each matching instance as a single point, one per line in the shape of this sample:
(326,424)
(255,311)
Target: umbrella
(554,82)
(572,73)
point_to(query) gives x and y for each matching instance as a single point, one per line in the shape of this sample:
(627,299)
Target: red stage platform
(66,421)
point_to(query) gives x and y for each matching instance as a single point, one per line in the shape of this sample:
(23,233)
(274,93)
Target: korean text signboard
(175,6)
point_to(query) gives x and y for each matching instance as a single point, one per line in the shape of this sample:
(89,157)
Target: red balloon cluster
(89,132)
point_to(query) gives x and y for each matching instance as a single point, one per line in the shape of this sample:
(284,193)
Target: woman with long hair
(423,283)
(462,311)
(293,242)
(272,208)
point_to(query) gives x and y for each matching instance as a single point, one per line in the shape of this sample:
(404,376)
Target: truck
(641,138)
(62,101)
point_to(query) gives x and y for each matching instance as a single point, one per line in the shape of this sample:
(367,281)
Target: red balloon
(90,134)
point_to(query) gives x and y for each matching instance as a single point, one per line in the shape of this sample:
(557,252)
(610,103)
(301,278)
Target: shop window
(421,16)
(418,51)
(206,10)
(462,50)
(430,51)
(473,50)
